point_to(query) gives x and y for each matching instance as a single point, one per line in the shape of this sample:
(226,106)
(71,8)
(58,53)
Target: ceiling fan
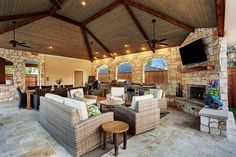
(154,42)
(14,42)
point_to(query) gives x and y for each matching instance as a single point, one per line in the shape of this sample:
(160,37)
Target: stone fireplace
(196,92)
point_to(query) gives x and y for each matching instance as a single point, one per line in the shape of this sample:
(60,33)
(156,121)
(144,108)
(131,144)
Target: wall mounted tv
(193,53)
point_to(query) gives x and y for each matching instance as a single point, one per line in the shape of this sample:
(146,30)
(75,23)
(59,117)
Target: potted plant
(212,91)
(59,81)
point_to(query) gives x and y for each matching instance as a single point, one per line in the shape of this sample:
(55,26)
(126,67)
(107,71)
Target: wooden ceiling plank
(22,16)
(160,15)
(66,19)
(25,22)
(86,41)
(102,12)
(99,42)
(144,34)
(63,18)
(220,16)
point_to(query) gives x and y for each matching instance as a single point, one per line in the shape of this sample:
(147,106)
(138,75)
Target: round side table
(116,128)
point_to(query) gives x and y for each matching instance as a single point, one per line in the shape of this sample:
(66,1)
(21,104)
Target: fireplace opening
(196,92)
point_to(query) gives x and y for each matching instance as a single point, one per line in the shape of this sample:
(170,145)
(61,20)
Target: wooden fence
(232,86)
(30,80)
(125,76)
(160,77)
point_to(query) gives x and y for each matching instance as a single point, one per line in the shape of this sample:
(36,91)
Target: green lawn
(234,111)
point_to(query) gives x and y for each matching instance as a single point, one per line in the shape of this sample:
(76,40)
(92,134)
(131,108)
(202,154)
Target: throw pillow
(78,94)
(93,110)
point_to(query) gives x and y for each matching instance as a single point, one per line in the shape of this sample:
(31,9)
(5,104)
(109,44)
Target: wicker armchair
(162,101)
(117,93)
(145,117)
(63,123)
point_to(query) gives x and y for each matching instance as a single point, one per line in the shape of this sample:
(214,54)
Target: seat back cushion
(80,107)
(55,98)
(135,100)
(76,92)
(117,91)
(157,93)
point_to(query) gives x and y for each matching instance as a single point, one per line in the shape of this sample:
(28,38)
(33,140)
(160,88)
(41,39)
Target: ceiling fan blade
(22,45)
(161,40)
(163,44)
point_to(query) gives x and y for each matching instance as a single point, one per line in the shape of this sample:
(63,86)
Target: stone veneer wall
(216,48)
(19,58)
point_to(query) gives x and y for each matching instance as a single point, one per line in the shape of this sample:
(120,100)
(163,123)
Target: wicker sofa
(144,117)
(64,124)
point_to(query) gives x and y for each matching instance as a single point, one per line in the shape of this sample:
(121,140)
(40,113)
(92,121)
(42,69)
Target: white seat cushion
(80,107)
(50,96)
(135,99)
(117,91)
(157,93)
(90,101)
(73,91)
(58,99)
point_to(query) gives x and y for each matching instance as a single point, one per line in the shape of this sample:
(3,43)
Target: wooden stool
(115,127)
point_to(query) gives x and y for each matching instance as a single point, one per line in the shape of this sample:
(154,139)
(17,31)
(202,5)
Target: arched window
(155,71)
(124,72)
(32,73)
(103,73)
(6,71)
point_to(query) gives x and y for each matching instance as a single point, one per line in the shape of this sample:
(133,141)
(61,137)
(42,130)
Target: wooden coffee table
(116,128)
(110,104)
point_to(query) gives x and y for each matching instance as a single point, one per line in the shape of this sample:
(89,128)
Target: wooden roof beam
(99,42)
(57,4)
(63,18)
(86,41)
(21,16)
(138,26)
(220,16)
(160,15)
(102,12)
(25,22)
(66,19)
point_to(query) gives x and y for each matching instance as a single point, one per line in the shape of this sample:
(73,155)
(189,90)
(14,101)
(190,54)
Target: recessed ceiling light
(126,45)
(143,48)
(127,51)
(50,47)
(83,3)
(96,52)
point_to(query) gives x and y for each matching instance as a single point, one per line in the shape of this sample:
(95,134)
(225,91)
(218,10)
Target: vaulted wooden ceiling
(109,24)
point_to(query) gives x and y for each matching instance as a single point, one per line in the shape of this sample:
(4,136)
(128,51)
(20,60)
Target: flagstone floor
(176,136)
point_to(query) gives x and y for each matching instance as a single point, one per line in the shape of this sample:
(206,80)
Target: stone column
(223,81)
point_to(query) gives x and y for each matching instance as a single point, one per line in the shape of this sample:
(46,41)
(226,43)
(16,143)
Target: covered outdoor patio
(176,135)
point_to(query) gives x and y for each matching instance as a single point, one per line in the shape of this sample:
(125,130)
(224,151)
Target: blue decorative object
(218,101)
(207,101)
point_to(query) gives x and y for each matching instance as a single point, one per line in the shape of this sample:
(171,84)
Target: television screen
(193,53)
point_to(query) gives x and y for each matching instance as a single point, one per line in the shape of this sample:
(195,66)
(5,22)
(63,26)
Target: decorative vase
(207,101)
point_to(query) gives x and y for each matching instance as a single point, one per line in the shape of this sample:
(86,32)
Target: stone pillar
(223,81)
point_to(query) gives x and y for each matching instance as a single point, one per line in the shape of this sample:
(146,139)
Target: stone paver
(177,135)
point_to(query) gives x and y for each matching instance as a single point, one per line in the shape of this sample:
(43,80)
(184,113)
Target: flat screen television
(193,53)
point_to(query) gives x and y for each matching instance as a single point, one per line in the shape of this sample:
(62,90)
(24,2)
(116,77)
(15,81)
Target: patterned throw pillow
(93,110)
(78,94)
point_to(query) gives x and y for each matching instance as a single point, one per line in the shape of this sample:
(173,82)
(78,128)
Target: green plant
(59,81)
(212,90)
